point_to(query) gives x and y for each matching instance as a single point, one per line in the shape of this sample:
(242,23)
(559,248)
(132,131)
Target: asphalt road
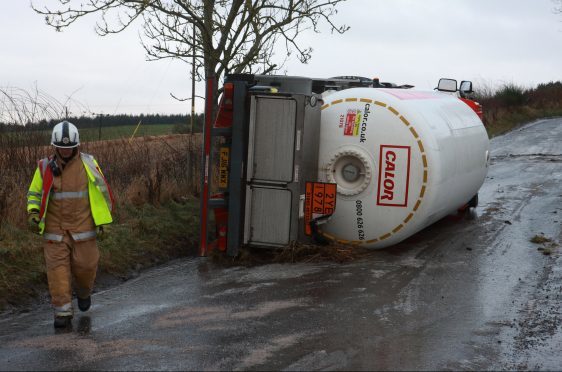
(466,293)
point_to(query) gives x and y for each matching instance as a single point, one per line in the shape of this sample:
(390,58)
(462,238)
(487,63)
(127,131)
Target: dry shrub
(149,165)
(539,239)
(294,252)
(145,170)
(508,104)
(19,152)
(547,95)
(300,252)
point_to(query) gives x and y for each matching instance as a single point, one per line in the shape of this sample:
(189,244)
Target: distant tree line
(182,123)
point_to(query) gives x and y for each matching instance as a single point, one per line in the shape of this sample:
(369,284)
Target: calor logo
(394,175)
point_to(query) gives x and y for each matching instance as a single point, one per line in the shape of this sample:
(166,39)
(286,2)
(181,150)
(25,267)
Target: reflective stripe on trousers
(64,310)
(83,236)
(53,237)
(76,236)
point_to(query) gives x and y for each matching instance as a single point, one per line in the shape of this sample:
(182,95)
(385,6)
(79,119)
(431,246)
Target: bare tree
(19,106)
(231,36)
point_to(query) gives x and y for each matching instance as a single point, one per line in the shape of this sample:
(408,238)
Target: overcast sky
(402,41)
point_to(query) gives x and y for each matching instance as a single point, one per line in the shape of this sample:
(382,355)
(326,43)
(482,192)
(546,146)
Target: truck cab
(464,93)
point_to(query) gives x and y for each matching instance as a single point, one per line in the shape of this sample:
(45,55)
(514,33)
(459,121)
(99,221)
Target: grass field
(106,133)
(125,131)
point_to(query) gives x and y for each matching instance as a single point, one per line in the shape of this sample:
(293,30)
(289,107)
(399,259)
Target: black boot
(63,321)
(84,304)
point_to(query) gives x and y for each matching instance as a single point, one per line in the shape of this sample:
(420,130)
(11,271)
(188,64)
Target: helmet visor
(65,145)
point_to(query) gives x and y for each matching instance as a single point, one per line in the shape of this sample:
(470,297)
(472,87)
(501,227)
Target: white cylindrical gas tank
(402,159)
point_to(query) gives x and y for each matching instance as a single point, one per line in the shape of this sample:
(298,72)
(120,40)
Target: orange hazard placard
(320,200)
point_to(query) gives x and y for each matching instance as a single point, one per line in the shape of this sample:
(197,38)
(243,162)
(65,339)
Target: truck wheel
(473,203)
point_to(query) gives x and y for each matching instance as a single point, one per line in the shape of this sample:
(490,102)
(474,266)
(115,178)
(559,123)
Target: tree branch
(232,35)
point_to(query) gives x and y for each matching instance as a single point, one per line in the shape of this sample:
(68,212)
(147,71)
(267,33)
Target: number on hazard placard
(320,200)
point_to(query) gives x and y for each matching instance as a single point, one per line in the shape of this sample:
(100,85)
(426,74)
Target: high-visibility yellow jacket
(99,193)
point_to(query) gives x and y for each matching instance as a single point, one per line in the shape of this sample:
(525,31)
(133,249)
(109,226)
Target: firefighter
(68,203)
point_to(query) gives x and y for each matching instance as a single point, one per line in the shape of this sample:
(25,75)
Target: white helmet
(65,134)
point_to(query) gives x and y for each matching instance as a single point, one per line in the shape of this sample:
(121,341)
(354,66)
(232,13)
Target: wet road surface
(465,293)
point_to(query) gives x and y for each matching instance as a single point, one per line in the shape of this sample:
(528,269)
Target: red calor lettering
(394,175)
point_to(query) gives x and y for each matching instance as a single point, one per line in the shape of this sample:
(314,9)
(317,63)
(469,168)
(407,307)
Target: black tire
(473,203)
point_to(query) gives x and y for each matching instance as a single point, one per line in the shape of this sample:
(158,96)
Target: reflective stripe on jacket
(99,192)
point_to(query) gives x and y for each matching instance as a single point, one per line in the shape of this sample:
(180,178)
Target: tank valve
(350,169)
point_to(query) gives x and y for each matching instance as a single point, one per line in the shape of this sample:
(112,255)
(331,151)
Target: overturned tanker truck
(346,159)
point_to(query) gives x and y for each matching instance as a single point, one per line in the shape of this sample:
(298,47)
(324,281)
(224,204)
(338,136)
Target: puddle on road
(215,314)
(272,272)
(87,349)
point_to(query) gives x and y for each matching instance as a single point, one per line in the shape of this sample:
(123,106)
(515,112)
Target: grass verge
(510,105)
(125,131)
(141,237)
(504,121)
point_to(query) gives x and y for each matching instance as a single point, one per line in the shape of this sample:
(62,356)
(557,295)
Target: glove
(101,233)
(33,222)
